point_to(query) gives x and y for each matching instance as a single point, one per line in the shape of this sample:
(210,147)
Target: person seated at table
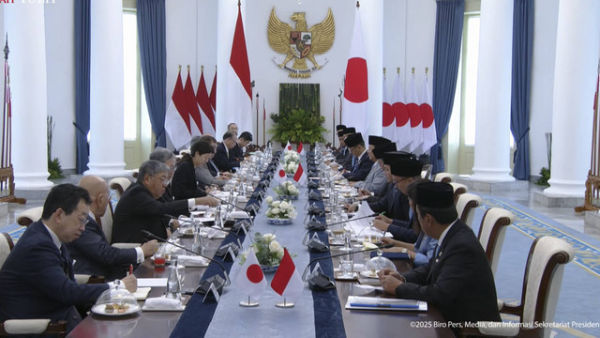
(233,128)
(204,172)
(347,162)
(224,160)
(91,251)
(167,157)
(422,250)
(238,150)
(362,165)
(458,281)
(338,129)
(37,278)
(138,209)
(184,183)
(375,181)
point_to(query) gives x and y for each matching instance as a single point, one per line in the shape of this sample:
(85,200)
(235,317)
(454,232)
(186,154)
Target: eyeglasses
(84,221)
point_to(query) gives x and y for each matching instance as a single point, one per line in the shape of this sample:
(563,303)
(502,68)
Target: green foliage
(298,126)
(55,169)
(544,177)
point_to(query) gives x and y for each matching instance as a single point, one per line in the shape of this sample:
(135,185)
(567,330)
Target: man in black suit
(37,279)
(91,251)
(238,151)
(349,159)
(363,163)
(457,280)
(167,157)
(138,209)
(224,160)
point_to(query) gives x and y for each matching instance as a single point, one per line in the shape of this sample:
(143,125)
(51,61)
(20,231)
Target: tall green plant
(297,126)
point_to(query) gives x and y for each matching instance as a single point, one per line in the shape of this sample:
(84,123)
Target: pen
(393,306)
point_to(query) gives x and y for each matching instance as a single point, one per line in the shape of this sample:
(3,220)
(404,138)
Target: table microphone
(320,281)
(223,201)
(318,226)
(205,284)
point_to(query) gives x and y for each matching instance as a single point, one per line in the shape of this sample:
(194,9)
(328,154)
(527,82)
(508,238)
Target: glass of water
(347,266)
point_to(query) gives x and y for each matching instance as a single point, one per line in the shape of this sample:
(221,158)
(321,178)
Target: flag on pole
(192,106)
(280,175)
(300,175)
(287,281)
(250,277)
(356,86)
(300,149)
(239,90)
(388,118)
(288,147)
(402,133)
(428,122)
(177,119)
(415,116)
(206,110)
(213,93)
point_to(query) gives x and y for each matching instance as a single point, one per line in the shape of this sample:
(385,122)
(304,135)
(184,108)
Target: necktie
(354,163)
(65,261)
(98,221)
(435,251)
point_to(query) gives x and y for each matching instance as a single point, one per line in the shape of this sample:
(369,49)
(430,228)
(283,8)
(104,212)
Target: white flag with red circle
(288,147)
(403,134)
(280,175)
(414,111)
(250,277)
(388,118)
(428,121)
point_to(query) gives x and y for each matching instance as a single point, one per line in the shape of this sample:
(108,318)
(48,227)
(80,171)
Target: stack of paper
(386,304)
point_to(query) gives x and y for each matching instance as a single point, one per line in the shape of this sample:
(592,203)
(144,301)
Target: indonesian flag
(388,119)
(250,277)
(206,110)
(356,85)
(280,174)
(300,175)
(192,107)
(288,147)
(403,134)
(300,149)
(287,282)
(213,92)
(177,120)
(239,90)
(415,116)
(429,133)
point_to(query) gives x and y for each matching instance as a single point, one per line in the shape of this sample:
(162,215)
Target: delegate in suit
(224,160)
(362,165)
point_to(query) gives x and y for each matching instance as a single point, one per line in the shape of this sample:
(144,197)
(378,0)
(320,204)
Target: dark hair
(151,168)
(246,136)
(208,139)
(227,135)
(441,215)
(161,154)
(200,147)
(411,190)
(66,197)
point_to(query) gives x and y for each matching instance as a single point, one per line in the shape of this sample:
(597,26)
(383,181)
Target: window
(131,83)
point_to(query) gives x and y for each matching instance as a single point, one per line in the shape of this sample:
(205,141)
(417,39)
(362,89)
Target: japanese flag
(280,175)
(288,147)
(250,277)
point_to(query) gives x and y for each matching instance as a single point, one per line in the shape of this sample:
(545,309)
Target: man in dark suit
(362,165)
(167,157)
(341,152)
(91,251)
(238,150)
(458,280)
(37,279)
(223,157)
(138,209)
(349,159)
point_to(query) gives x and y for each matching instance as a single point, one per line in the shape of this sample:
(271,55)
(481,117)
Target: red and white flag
(356,84)
(428,121)
(300,149)
(177,119)
(300,175)
(280,175)
(415,116)
(288,147)
(287,282)
(206,110)
(192,107)
(213,93)
(388,117)
(250,278)
(239,90)
(403,134)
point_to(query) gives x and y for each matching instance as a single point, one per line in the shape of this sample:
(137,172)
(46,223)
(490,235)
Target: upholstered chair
(491,233)
(29,216)
(443,177)
(465,207)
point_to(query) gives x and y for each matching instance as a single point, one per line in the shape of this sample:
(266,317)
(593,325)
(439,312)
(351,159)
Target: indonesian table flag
(428,121)
(192,107)
(239,89)
(250,277)
(177,120)
(388,118)
(280,175)
(415,116)
(356,84)
(300,175)
(403,134)
(206,110)
(287,281)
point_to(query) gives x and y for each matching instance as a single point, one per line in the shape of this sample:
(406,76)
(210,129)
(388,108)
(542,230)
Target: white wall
(542,81)
(60,58)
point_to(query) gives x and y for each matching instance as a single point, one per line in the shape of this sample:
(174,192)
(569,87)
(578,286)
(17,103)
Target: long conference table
(227,318)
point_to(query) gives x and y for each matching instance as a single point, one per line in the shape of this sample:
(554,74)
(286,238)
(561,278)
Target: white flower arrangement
(290,167)
(268,251)
(280,209)
(286,188)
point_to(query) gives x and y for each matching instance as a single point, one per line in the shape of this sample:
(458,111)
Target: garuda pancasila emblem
(300,43)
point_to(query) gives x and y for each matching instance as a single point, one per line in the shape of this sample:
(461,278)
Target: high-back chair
(459,189)
(443,177)
(541,287)
(6,245)
(19,327)
(426,171)
(465,207)
(119,184)
(107,222)
(29,216)
(492,232)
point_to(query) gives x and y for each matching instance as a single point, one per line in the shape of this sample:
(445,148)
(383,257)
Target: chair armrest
(126,245)
(82,278)
(33,326)
(513,309)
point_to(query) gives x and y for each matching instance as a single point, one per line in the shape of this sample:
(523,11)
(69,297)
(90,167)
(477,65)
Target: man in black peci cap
(458,280)
(362,165)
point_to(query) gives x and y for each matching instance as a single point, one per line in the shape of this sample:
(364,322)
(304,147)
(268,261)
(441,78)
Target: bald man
(91,251)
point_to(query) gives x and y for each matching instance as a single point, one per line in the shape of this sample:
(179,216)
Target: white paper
(141,293)
(152,282)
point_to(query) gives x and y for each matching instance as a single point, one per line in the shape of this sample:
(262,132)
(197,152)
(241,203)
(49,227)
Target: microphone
(223,201)
(205,284)
(317,280)
(314,225)
(353,219)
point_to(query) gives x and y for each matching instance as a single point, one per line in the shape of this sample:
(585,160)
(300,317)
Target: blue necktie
(354,164)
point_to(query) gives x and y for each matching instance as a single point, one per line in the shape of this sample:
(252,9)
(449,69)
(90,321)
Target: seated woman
(204,175)
(184,184)
(423,249)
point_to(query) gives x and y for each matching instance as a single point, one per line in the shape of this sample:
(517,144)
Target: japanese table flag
(280,175)
(287,281)
(250,277)
(288,147)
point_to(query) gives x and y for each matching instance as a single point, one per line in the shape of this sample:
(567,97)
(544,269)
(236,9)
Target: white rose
(293,189)
(269,199)
(275,204)
(280,253)
(269,237)
(275,211)
(274,246)
(283,205)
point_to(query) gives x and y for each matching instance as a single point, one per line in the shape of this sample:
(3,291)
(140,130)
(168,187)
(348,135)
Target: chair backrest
(443,177)
(120,184)
(6,245)
(426,171)
(107,222)
(29,216)
(492,232)
(33,326)
(543,278)
(459,189)
(465,207)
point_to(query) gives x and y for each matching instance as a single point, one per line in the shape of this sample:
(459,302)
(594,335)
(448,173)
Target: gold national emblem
(300,43)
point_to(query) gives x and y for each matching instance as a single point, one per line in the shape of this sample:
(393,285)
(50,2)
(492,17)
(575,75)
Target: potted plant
(298,126)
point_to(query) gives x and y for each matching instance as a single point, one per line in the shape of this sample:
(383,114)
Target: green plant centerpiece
(297,126)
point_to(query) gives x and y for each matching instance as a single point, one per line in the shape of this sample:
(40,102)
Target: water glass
(347,267)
